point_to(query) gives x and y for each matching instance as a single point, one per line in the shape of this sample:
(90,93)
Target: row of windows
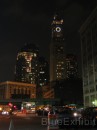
(92,89)
(90,100)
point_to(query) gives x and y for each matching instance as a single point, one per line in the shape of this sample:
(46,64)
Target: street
(26,122)
(22,123)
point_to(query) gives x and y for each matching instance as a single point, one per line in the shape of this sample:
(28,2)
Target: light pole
(94,103)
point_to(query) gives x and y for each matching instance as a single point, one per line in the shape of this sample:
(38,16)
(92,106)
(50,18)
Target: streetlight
(94,103)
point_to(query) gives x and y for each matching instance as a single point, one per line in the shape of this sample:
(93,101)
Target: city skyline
(24,22)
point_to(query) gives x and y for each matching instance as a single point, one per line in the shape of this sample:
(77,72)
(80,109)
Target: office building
(26,69)
(88,35)
(71,66)
(10,90)
(43,72)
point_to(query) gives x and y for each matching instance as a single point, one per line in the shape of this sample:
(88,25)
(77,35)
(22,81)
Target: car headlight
(5,112)
(75,114)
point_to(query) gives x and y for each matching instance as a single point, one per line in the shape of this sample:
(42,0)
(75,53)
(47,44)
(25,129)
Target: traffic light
(14,106)
(10,104)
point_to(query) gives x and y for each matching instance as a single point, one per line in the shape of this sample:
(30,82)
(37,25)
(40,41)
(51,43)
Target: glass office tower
(26,69)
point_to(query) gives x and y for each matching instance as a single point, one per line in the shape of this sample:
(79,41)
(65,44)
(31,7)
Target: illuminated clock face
(58,29)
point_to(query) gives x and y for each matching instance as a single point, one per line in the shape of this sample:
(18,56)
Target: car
(89,116)
(67,117)
(4,112)
(64,116)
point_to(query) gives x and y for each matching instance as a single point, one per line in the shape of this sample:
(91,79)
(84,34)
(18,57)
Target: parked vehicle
(89,116)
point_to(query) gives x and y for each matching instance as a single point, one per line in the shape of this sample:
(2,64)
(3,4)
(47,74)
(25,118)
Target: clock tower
(57,50)
(57,28)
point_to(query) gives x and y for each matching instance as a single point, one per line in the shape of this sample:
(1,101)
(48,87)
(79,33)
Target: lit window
(35,54)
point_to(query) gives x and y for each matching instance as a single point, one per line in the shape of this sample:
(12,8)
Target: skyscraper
(26,69)
(71,66)
(43,72)
(88,33)
(57,52)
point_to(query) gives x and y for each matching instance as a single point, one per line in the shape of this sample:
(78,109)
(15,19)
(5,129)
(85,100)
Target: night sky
(25,21)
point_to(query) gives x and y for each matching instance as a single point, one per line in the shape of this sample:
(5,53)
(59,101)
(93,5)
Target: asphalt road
(25,123)
(22,123)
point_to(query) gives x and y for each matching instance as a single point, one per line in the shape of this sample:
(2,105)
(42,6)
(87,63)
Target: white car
(5,112)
